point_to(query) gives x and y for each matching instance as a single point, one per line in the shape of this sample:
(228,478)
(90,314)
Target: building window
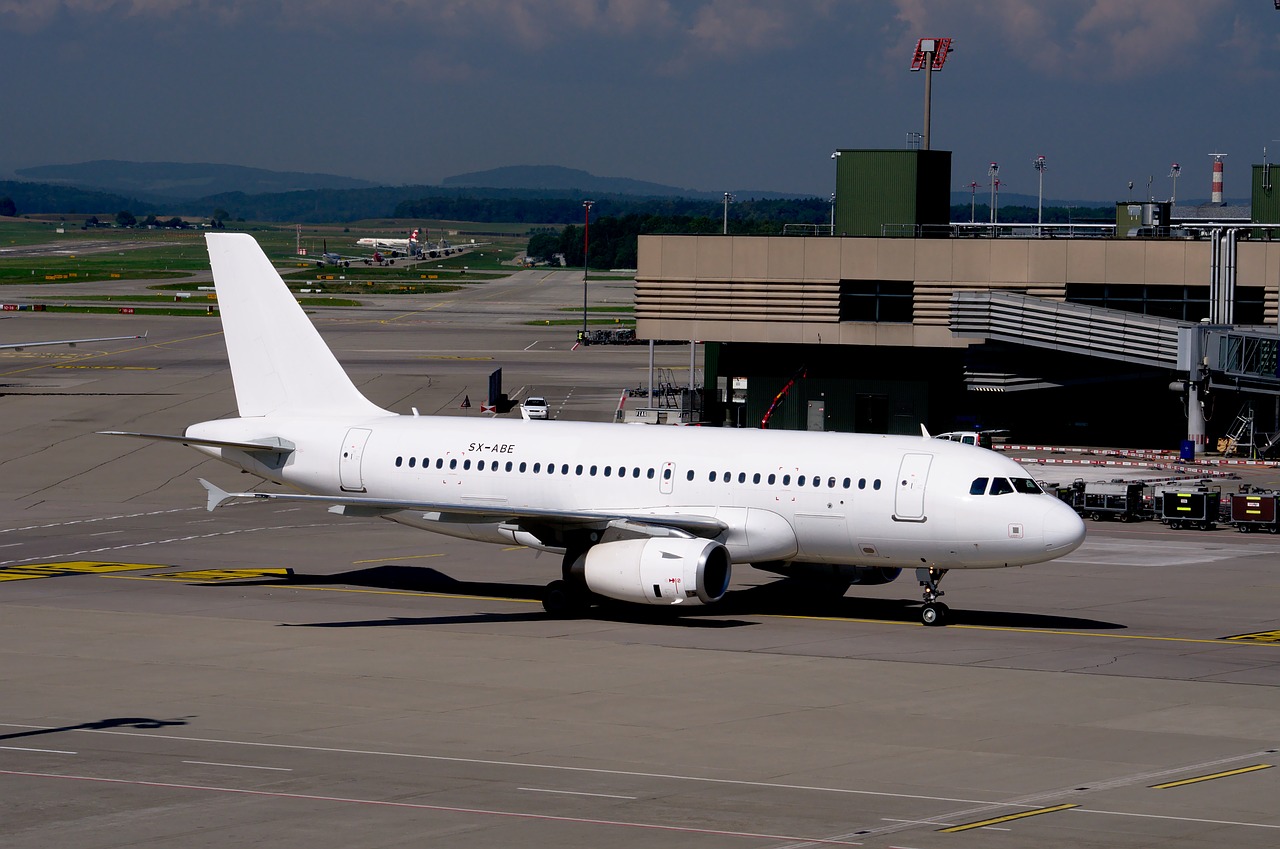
(877,300)
(1183,303)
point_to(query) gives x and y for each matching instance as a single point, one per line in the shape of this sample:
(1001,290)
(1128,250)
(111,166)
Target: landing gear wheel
(934,612)
(561,600)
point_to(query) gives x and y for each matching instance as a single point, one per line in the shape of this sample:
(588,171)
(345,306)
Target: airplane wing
(18,346)
(706,526)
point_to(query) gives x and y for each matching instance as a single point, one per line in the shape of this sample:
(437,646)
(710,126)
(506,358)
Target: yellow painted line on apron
(1211,776)
(1008,818)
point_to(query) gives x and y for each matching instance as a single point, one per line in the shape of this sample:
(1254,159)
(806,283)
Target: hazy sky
(706,94)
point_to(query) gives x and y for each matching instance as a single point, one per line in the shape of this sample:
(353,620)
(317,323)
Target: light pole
(835,157)
(1040,166)
(993,171)
(973,200)
(586,244)
(930,55)
(1174,171)
(728,198)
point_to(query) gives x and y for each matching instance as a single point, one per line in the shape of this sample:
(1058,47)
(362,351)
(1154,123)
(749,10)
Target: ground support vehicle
(1255,511)
(1196,508)
(1122,500)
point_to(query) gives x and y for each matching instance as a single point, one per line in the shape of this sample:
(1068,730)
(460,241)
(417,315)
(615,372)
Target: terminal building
(897,317)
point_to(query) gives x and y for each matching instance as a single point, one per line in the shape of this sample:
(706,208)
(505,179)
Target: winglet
(217,495)
(924,431)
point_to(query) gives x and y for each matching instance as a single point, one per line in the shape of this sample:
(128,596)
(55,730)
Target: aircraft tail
(279,363)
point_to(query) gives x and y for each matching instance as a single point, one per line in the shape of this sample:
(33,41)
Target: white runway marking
(43,751)
(240,766)
(98,519)
(74,555)
(575,793)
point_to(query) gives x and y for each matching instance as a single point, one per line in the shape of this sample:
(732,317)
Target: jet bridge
(1212,356)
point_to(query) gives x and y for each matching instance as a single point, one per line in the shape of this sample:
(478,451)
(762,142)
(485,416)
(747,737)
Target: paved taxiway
(168,683)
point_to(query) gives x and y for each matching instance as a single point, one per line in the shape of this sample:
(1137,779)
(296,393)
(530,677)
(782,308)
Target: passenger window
(862,483)
(593,471)
(800,481)
(755,478)
(439,462)
(742,477)
(426,462)
(786,480)
(508,465)
(537,467)
(847,482)
(578,469)
(688,475)
(480,466)
(772,479)
(635,473)
(1000,486)
(831,483)
(466,465)
(606,471)
(453,464)
(978,487)
(399,460)
(524,466)
(666,474)
(875,484)
(650,474)
(564,469)
(411,461)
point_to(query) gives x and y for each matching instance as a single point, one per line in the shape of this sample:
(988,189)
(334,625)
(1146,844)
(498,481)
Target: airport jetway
(1211,356)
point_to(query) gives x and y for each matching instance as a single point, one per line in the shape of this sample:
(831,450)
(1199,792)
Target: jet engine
(658,570)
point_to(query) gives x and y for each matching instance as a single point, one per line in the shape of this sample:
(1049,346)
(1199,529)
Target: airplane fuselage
(872,500)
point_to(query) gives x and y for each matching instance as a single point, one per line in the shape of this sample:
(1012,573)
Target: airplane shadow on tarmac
(784,597)
(102,725)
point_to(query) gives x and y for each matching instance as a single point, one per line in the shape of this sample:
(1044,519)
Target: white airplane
(649,515)
(393,247)
(71,343)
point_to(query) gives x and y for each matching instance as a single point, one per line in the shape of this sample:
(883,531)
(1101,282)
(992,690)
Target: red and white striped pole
(1216,196)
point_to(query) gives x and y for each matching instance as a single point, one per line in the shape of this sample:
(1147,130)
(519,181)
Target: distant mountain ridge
(159,181)
(559,178)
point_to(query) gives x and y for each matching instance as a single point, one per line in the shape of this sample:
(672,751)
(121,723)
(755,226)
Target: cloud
(1082,39)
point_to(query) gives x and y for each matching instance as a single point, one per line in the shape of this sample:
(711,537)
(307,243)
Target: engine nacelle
(658,570)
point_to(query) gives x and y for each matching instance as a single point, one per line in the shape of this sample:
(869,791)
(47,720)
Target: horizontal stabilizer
(271,444)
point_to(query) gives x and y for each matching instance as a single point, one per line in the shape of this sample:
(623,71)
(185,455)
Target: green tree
(125,218)
(543,246)
(7,206)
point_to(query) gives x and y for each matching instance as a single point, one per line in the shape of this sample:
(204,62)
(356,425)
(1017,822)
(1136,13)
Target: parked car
(535,407)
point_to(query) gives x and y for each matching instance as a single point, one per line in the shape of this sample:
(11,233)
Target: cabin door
(908,501)
(349,463)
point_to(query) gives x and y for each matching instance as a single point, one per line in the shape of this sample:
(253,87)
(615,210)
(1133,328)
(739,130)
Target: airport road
(169,681)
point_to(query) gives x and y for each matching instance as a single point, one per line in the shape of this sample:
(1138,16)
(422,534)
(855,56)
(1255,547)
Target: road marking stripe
(448,809)
(240,766)
(44,751)
(575,793)
(1007,818)
(1211,776)
(389,559)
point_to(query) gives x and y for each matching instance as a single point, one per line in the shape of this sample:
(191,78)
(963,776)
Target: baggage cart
(1254,511)
(1192,508)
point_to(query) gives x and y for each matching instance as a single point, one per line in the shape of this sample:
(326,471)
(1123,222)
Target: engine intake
(658,570)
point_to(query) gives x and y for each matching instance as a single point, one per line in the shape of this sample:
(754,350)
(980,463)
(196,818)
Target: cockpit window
(1001,486)
(978,487)
(1027,485)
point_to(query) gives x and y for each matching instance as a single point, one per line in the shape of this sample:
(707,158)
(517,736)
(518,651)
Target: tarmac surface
(276,674)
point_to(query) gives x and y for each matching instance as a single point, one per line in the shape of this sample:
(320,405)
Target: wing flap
(695,524)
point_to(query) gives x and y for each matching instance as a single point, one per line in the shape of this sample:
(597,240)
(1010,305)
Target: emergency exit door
(908,500)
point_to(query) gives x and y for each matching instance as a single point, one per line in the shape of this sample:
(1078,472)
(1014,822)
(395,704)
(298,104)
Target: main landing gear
(934,612)
(568,598)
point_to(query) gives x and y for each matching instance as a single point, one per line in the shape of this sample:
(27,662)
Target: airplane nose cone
(1063,530)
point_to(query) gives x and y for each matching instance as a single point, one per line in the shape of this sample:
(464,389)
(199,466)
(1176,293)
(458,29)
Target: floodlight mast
(1040,165)
(1175,171)
(993,171)
(931,54)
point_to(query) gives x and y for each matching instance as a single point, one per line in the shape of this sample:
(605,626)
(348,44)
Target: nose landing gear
(934,612)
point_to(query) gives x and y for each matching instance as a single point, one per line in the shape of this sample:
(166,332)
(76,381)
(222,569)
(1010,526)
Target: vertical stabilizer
(279,363)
